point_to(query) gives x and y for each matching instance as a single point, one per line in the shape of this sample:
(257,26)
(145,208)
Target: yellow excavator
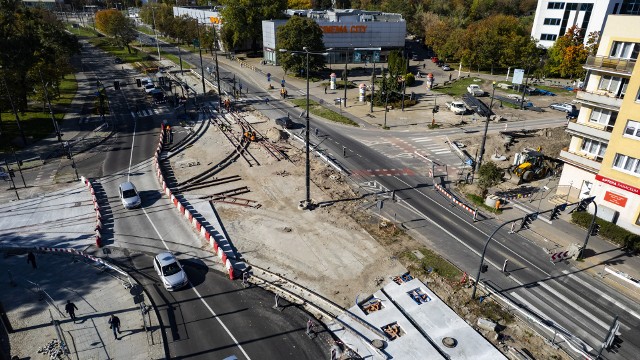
(531,165)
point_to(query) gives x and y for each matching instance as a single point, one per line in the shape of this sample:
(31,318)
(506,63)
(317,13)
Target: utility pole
(204,90)
(153,14)
(19,168)
(215,45)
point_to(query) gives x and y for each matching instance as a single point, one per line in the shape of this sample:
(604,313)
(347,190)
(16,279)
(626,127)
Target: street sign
(282,83)
(518,76)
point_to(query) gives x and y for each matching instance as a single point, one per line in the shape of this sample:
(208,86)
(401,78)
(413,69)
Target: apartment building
(553,18)
(603,157)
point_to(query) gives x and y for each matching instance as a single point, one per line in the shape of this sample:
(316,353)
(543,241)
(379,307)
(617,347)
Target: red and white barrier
(559,256)
(96,208)
(188,215)
(455,200)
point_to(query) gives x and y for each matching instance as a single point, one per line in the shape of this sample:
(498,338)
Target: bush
(410,79)
(609,231)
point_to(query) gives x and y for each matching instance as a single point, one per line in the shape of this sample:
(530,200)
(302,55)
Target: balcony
(600,98)
(581,161)
(582,129)
(610,64)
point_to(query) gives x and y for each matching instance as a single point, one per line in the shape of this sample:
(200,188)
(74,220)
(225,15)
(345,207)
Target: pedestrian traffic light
(139,82)
(11,173)
(595,229)
(557,210)
(527,220)
(436,109)
(162,80)
(484,268)
(268,76)
(116,85)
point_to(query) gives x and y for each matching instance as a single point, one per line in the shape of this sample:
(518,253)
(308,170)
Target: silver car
(566,107)
(170,271)
(129,195)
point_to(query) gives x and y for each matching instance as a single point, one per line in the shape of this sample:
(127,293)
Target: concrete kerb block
(84,180)
(190,216)
(174,200)
(181,208)
(207,235)
(224,257)
(215,245)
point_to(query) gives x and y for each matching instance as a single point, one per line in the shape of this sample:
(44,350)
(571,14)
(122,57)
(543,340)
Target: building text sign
(344,29)
(618,184)
(615,199)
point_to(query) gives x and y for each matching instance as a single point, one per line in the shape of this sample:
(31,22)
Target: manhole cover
(378,344)
(449,342)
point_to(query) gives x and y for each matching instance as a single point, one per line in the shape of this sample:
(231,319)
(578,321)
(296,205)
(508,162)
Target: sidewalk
(35,305)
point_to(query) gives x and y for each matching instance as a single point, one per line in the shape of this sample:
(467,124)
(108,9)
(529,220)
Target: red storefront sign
(618,184)
(615,199)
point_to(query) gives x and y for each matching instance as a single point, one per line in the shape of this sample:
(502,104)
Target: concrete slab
(438,321)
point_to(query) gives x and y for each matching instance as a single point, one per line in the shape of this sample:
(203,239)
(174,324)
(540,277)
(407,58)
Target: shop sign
(334,29)
(618,184)
(615,199)
(215,20)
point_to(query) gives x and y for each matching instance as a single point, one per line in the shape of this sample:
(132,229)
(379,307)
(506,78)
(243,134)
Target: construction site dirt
(339,251)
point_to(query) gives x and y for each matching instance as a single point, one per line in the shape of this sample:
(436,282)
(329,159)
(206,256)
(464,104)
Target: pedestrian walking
(114,324)
(449,76)
(424,66)
(310,328)
(71,308)
(31,258)
(325,90)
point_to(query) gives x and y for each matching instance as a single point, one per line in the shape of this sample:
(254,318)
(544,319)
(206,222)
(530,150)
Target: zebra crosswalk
(144,113)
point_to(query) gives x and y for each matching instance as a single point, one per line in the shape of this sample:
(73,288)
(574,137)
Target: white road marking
(572,304)
(609,298)
(198,293)
(440,152)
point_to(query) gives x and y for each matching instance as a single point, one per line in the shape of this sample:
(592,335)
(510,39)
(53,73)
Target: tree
(116,25)
(567,55)
(243,20)
(300,4)
(295,35)
(30,37)
(489,175)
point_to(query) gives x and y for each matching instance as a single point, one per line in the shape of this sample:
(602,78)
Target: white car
(458,107)
(566,107)
(149,88)
(446,67)
(170,271)
(129,195)
(475,90)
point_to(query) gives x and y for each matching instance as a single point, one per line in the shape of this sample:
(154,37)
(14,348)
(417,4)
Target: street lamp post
(584,203)
(306,204)
(486,128)
(204,90)
(53,119)
(153,15)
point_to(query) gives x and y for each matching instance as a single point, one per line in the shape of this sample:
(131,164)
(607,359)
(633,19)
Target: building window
(625,50)
(555,5)
(632,129)
(638,95)
(550,21)
(627,164)
(609,83)
(593,147)
(603,117)
(550,37)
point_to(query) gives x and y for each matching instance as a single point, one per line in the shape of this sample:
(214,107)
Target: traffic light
(11,173)
(557,210)
(19,162)
(595,229)
(268,76)
(116,85)
(436,109)
(139,82)
(527,220)
(162,80)
(484,268)
(584,204)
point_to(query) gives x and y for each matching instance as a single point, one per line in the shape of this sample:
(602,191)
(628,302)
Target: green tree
(299,33)
(30,37)
(489,175)
(243,20)
(567,55)
(117,26)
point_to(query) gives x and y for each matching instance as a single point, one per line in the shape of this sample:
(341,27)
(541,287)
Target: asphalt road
(213,317)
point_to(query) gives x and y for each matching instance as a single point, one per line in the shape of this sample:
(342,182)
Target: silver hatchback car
(129,195)
(170,271)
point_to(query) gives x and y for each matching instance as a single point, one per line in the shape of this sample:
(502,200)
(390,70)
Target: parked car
(146,81)
(457,107)
(158,96)
(446,67)
(170,271)
(285,122)
(117,61)
(129,195)
(4,175)
(475,90)
(566,107)
(434,59)
(415,57)
(149,87)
